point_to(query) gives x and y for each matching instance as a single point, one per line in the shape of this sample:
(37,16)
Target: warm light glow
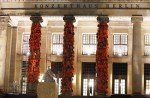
(119,51)
(89,51)
(85,86)
(116,86)
(91,86)
(74,79)
(147,86)
(41,78)
(59,86)
(111,81)
(59,51)
(28,53)
(147,91)
(122,85)
(119,54)
(91,83)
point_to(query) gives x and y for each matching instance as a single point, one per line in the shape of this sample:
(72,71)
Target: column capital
(3,22)
(103,19)
(69,18)
(36,18)
(135,19)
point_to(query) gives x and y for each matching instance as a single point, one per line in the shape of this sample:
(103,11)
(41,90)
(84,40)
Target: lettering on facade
(87,6)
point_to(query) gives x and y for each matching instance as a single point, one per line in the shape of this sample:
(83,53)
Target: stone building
(128,41)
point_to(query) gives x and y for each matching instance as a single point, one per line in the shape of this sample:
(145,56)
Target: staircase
(112,96)
(78,97)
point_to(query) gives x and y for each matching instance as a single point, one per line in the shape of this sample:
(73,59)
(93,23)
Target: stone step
(34,96)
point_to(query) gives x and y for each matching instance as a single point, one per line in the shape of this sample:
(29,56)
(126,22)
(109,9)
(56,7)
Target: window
(147,44)
(25,44)
(119,78)
(120,42)
(119,84)
(147,78)
(59,86)
(57,43)
(85,87)
(88,44)
(57,69)
(88,78)
(116,86)
(24,77)
(25,53)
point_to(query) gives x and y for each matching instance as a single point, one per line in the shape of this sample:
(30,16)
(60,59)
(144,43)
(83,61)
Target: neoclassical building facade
(128,43)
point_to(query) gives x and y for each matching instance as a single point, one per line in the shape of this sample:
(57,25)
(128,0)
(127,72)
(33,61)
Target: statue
(49,76)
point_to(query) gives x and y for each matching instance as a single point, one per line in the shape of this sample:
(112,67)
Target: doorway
(88,78)
(119,78)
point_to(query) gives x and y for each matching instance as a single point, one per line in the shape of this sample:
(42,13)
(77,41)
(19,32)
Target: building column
(35,54)
(102,56)
(136,55)
(68,55)
(3,42)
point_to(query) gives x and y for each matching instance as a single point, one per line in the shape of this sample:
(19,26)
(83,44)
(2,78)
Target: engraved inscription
(87,6)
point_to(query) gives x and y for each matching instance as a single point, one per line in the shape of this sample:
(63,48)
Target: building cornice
(25,20)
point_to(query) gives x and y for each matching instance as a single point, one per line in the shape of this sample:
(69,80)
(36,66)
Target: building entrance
(88,79)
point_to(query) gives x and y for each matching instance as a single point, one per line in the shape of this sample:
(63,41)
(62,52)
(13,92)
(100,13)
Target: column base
(67,94)
(101,95)
(32,88)
(2,93)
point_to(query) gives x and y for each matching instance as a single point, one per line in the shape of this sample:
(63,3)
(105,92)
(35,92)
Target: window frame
(145,54)
(22,42)
(24,64)
(146,75)
(89,43)
(88,76)
(52,44)
(124,53)
(119,76)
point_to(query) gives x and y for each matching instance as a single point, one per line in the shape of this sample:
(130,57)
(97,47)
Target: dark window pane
(88,68)
(119,68)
